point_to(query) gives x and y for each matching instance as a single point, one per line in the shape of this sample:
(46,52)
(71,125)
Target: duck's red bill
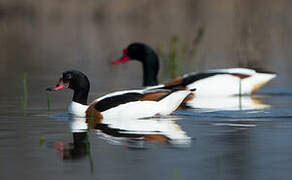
(121,60)
(59,86)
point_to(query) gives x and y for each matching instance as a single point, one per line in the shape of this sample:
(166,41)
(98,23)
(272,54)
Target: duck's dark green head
(147,56)
(77,81)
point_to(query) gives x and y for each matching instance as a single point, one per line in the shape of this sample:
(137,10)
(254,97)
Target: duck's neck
(150,69)
(80,96)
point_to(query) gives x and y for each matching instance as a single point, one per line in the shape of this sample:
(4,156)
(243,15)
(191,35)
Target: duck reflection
(131,133)
(135,132)
(75,150)
(228,103)
(80,146)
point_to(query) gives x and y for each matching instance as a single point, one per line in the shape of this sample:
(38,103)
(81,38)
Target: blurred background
(46,37)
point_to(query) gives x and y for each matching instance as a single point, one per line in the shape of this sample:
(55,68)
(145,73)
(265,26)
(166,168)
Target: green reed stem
(176,175)
(42,139)
(177,56)
(219,164)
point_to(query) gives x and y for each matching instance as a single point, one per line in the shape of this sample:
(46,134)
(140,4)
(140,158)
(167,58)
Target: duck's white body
(228,84)
(135,109)
(77,109)
(142,109)
(218,85)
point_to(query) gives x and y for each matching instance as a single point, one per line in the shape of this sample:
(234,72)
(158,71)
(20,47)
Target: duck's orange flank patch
(156,138)
(93,116)
(256,101)
(258,86)
(189,97)
(241,76)
(154,96)
(176,82)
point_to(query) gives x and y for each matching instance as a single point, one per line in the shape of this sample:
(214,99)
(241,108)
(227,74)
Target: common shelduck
(123,104)
(231,81)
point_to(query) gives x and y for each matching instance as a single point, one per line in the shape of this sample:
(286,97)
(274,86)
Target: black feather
(198,76)
(111,102)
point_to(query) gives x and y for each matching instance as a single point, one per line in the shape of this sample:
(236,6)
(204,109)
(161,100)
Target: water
(247,140)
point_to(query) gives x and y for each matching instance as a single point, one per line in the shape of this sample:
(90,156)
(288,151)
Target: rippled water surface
(249,139)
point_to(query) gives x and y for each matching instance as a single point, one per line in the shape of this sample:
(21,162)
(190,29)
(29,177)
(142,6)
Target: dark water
(248,140)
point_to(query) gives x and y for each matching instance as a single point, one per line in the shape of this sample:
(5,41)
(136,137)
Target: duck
(136,104)
(214,82)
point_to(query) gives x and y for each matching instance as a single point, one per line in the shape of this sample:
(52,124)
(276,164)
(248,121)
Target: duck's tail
(174,100)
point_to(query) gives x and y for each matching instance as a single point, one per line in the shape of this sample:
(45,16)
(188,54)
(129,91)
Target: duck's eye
(68,76)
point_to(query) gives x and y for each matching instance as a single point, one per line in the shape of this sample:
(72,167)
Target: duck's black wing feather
(198,76)
(113,101)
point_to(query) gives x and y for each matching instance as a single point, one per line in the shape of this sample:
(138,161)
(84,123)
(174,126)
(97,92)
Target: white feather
(229,85)
(155,87)
(221,84)
(235,70)
(142,109)
(259,78)
(77,109)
